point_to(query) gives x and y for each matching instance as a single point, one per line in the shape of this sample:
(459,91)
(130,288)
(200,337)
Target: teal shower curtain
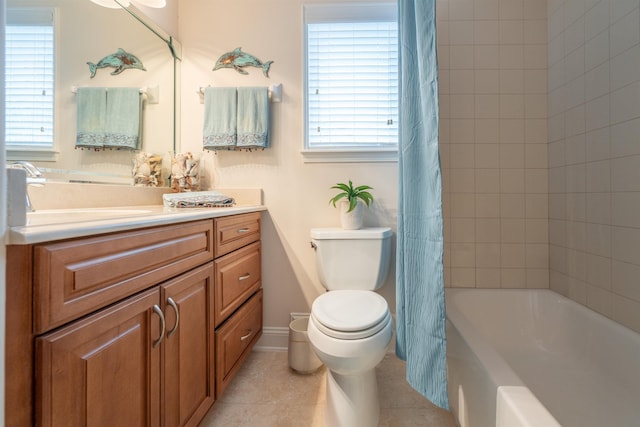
(420,310)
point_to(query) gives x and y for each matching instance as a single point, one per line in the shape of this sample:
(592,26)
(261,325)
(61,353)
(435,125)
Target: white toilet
(350,326)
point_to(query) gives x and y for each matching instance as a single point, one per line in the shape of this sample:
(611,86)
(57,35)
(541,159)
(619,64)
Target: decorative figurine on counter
(121,60)
(185,172)
(237,59)
(147,169)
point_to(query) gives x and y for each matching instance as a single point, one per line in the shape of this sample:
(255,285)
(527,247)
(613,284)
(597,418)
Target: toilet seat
(350,314)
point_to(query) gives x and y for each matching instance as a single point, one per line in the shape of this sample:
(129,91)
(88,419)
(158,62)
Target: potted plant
(351,199)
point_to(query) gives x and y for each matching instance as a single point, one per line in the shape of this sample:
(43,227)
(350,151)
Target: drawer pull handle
(157,310)
(245,277)
(242,230)
(247,336)
(173,305)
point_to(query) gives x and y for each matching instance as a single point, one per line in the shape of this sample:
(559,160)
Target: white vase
(351,220)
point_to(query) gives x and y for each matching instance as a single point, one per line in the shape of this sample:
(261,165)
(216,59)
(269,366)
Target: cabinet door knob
(173,305)
(157,310)
(246,336)
(242,230)
(245,277)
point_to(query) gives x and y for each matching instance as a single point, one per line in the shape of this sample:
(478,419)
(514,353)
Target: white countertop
(48,225)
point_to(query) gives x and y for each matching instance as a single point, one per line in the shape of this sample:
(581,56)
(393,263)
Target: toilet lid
(350,314)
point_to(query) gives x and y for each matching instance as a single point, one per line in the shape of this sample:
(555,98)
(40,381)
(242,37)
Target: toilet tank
(352,259)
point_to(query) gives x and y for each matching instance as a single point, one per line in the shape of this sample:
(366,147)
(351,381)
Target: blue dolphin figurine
(120,60)
(237,59)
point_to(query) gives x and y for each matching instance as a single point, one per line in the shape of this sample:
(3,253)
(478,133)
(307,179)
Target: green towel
(219,118)
(123,118)
(91,116)
(253,117)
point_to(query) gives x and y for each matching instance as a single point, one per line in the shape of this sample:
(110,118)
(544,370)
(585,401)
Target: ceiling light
(152,3)
(112,4)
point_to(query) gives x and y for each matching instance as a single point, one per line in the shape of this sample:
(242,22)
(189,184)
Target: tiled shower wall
(594,154)
(493,139)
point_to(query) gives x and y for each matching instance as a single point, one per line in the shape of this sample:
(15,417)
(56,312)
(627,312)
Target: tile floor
(267,393)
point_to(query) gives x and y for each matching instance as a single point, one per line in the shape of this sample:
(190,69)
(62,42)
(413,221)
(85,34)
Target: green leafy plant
(352,194)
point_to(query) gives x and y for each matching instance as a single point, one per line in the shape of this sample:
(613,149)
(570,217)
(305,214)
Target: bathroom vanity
(133,320)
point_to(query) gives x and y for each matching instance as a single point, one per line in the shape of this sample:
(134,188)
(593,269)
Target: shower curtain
(420,310)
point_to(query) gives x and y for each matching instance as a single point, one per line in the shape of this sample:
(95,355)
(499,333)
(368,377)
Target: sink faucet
(34,177)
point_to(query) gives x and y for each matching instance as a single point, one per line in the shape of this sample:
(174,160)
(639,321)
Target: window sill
(350,156)
(33,155)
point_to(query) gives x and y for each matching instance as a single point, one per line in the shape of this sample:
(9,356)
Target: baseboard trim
(274,338)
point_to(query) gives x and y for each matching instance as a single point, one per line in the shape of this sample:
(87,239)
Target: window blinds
(29,80)
(352,81)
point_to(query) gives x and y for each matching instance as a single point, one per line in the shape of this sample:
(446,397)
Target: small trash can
(302,358)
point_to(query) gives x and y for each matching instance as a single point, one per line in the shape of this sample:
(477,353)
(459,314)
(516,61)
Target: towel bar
(152,94)
(275,93)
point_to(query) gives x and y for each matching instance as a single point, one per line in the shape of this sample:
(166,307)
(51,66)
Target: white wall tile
(537,206)
(625,33)
(513,278)
(487,206)
(624,138)
(596,19)
(462,131)
(574,36)
(598,208)
(625,174)
(597,82)
(624,68)
(487,32)
(511,9)
(512,231)
(488,230)
(511,32)
(596,50)
(487,9)
(461,32)
(512,255)
(598,144)
(488,156)
(487,181)
(486,57)
(461,9)
(625,279)
(624,209)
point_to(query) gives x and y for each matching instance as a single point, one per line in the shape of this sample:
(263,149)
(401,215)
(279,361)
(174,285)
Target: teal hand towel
(253,117)
(91,104)
(220,113)
(123,118)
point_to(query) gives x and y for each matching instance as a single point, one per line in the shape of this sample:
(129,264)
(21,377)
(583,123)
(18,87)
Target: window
(29,81)
(351,84)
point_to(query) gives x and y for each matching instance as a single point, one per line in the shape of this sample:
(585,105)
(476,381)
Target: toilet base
(352,400)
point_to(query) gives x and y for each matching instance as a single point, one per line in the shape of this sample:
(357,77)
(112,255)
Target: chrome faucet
(34,177)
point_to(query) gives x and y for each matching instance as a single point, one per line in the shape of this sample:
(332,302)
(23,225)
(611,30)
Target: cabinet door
(103,370)
(188,347)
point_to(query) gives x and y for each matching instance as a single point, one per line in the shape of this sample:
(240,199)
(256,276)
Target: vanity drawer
(237,276)
(76,277)
(236,231)
(235,339)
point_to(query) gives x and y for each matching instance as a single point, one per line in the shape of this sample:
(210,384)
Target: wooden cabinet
(121,355)
(234,340)
(238,300)
(102,370)
(188,368)
(120,329)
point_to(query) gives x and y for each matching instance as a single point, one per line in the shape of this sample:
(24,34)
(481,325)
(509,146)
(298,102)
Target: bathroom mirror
(86,32)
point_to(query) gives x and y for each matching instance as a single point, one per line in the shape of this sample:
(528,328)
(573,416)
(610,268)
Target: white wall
(295,193)
(493,96)
(594,155)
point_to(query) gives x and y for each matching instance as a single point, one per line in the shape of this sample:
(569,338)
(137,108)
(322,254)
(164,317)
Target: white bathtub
(535,358)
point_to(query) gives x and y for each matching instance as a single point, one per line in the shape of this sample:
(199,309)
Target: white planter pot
(351,220)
